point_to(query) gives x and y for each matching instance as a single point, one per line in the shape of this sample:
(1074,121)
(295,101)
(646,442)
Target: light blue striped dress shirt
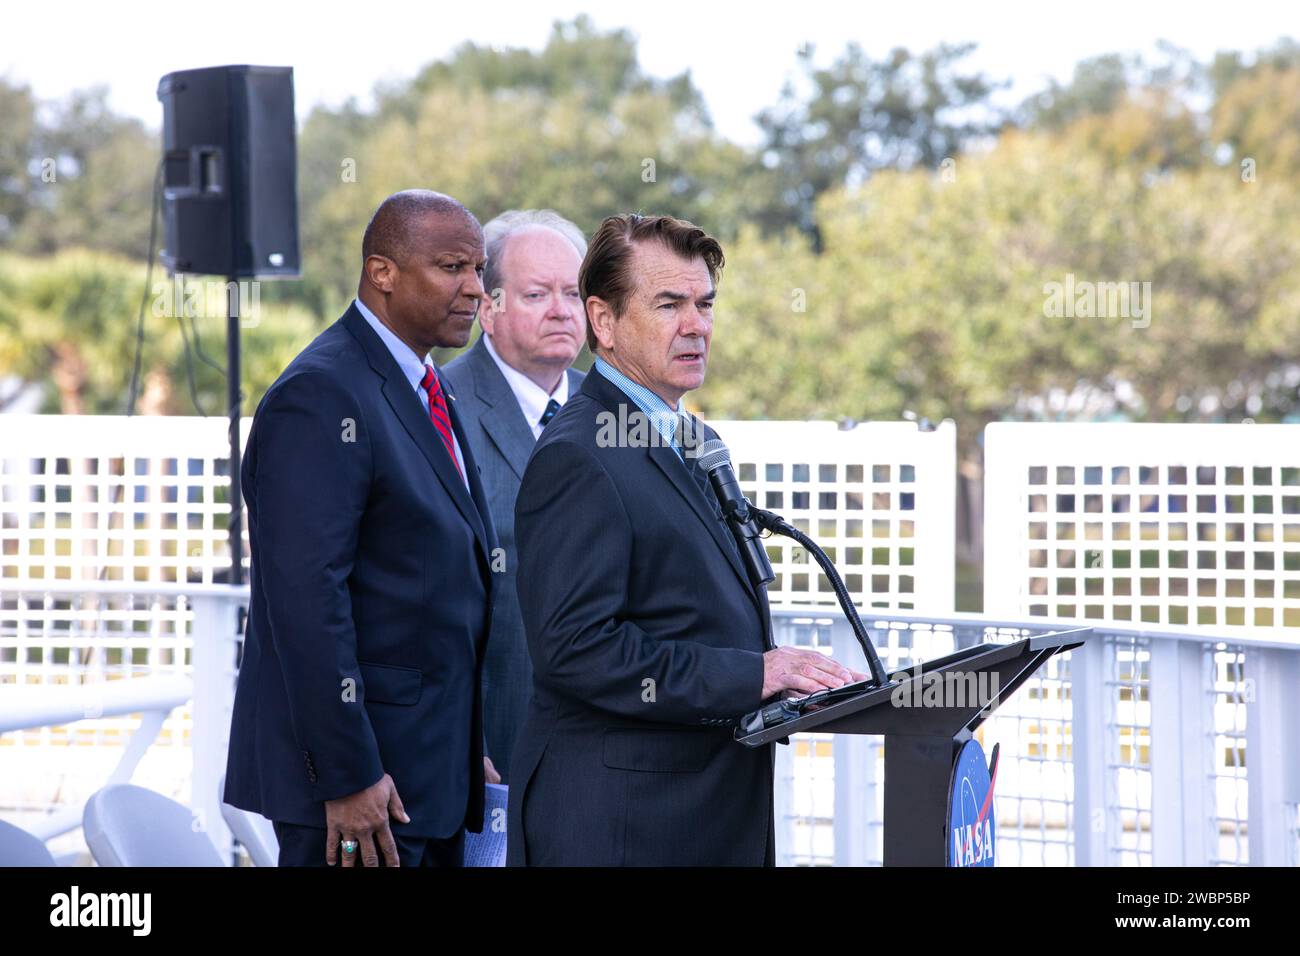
(662,416)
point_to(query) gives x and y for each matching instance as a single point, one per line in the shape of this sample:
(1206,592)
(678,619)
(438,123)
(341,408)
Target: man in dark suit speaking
(644,631)
(358,697)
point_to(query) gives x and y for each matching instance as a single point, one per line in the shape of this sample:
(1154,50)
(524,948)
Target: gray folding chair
(126,825)
(20,848)
(253,830)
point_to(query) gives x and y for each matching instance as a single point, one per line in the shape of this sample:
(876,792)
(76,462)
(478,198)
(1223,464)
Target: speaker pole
(233,399)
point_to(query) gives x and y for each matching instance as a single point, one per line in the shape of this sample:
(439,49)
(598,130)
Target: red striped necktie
(439,415)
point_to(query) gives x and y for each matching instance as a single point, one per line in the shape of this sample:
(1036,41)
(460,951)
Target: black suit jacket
(371,596)
(642,627)
(502,441)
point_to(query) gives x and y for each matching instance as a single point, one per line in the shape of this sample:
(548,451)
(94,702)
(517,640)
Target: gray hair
(499,230)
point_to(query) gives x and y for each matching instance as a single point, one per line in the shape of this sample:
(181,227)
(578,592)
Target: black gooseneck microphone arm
(775,524)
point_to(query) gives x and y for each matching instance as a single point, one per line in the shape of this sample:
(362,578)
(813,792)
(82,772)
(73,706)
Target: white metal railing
(28,706)
(1193,530)
(106,683)
(1106,754)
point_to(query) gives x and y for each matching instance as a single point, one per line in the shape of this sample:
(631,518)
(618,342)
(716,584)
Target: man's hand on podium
(797,672)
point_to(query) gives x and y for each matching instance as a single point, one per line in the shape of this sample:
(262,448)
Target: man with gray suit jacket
(508,386)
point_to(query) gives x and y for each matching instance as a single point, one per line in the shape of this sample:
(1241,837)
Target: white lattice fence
(100,497)
(146,499)
(880,498)
(1160,525)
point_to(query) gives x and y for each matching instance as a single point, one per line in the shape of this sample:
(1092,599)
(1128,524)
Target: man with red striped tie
(357,726)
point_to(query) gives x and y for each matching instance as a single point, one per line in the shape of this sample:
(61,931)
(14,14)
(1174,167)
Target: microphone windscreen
(712,454)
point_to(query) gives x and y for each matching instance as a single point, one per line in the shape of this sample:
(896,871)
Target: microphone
(746,520)
(715,459)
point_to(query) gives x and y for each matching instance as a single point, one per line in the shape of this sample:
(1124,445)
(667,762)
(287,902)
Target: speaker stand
(233,400)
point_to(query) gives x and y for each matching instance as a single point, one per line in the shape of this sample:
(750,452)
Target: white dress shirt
(532,398)
(412,367)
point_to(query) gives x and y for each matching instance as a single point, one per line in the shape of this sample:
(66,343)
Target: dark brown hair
(607,268)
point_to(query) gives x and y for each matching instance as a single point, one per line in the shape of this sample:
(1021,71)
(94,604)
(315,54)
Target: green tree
(102,191)
(576,126)
(860,115)
(1099,84)
(930,296)
(1257,117)
(68,321)
(18,120)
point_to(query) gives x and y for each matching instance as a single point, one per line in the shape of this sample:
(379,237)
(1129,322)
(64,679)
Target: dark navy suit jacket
(371,597)
(642,625)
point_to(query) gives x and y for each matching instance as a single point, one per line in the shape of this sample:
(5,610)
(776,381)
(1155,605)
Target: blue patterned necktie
(689,436)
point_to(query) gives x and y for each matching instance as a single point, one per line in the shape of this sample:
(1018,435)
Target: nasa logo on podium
(970,807)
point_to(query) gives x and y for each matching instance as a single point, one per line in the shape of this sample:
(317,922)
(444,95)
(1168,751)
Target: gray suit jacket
(501,442)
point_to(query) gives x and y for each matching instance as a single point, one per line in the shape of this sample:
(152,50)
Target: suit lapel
(512,438)
(503,420)
(410,412)
(476,491)
(667,461)
(705,509)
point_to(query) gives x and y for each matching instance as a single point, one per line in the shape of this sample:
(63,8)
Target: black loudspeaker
(230,178)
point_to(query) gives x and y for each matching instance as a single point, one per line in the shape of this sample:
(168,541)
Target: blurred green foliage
(888,241)
(69,320)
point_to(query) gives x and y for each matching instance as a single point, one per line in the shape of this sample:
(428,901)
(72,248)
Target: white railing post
(783,772)
(854,798)
(216,618)
(1180,765)
(1272,694)
(1088,734)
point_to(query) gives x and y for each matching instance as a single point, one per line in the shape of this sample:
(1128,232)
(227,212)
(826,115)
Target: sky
(739,54)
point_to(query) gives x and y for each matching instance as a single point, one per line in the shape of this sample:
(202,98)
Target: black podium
(923,730)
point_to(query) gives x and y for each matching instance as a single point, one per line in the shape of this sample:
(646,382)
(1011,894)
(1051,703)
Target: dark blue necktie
(551,408)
